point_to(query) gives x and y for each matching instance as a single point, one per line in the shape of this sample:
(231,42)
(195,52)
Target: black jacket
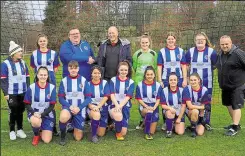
(231,68)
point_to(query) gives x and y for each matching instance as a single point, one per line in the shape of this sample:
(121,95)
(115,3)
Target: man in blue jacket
(77,50)
(111,52)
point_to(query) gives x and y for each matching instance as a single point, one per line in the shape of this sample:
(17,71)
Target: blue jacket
(79,53)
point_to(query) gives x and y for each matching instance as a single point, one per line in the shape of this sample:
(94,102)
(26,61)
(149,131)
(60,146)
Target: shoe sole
(231,134)
(21,137)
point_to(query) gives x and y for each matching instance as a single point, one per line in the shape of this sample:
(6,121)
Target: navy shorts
(155,115)
(103,116)
(47,121)
(78,119)
(176,116)
(125,113)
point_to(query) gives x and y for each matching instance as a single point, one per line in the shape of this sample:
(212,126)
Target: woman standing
(171,59)
(173,107)
(40,100)
(201,59)
(15,80)
(195,96)
(48,58)
(141,59)
(98,108)
(148,95)
(122,90)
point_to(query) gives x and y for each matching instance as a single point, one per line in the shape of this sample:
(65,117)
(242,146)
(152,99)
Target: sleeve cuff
(27,102)
(52,102)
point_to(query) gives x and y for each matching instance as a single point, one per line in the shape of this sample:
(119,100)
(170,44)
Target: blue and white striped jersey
(99,91)
(201,62)
(48,59)
(149,93)
(172,98)
(16,73)
(197,97)
(122,88)
(40,98)
(171,60)
(75,91)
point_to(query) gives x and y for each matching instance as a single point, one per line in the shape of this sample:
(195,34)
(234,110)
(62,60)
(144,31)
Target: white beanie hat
(14,48)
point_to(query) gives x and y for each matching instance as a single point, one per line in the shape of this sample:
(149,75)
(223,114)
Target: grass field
(211,143)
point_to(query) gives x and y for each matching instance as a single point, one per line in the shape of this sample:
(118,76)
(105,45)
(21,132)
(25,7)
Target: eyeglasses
(75,34)
(200,39)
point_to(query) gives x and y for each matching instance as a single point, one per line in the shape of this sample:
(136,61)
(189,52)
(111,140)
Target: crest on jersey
(102,92)
(24,70)
(81,85)
(178,56)
(156,115)
(48,96)
(155,93)
(11,101)
(206,57)
(127,88)
(173,63)
(85,47)
(180,99)
(75,94)
(200,99)
(51,124)
(50,60)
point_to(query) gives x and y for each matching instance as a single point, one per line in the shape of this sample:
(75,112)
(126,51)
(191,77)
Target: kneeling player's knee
(118,116)
(200,133)
(46,140)
(64,118)
(101,134)
(78,137)
(35,122)
(96,115)
(180,131)
(194,115)
(169,114)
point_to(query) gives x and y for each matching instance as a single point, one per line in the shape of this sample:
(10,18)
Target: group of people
(101,88)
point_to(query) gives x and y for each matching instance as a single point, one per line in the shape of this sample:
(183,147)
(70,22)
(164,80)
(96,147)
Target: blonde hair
(208,43)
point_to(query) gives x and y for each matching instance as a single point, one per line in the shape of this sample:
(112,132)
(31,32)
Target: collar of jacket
(123,41)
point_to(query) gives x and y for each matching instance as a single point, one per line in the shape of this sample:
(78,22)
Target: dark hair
(126,63)
(198,76)
(45,68)
(98,68)
(39,36)
(172,73)
(149,68)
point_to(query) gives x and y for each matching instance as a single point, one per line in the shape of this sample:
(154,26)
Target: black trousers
(16,110)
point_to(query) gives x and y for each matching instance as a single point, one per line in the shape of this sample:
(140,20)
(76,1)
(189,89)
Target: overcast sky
(36,8)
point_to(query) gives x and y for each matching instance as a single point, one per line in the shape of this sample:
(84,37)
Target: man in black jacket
(231,77)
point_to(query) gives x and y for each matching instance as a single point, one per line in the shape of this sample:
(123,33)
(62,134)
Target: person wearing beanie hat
(15,80)
(48,58)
